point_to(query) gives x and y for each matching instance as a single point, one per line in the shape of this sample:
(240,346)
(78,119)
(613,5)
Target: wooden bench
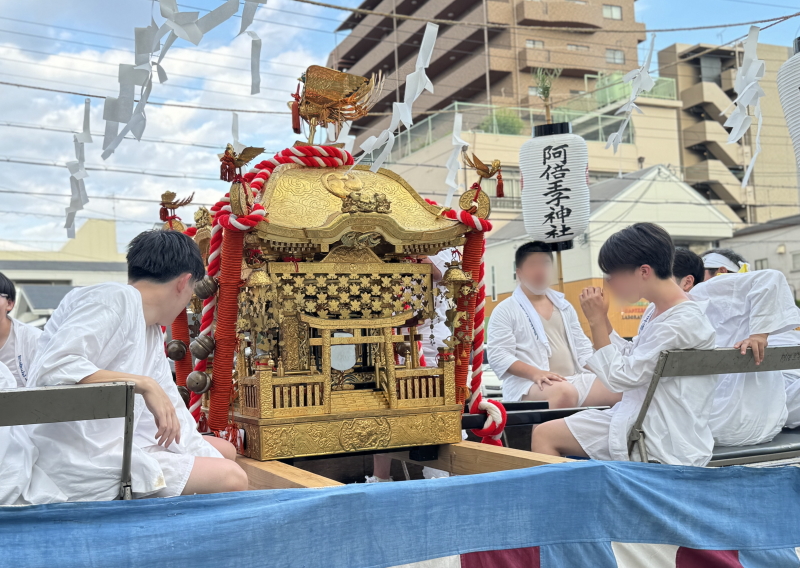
(693,362)
(46,405)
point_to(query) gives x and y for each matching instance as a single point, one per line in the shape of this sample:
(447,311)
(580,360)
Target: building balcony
(708,97)
(560,14)
(572,63)
(711,135)
(714,175)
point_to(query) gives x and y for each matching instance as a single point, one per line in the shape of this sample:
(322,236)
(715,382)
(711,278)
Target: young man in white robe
(535,341)
(637,262)
(746,309)
(17,340)
(22,481)
(791,378)
(112,332)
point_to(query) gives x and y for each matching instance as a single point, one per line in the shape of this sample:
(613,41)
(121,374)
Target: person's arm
(583,345)
(595,308)
(502,352)
(157,401)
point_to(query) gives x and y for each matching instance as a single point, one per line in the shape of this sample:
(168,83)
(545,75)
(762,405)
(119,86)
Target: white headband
(716,260)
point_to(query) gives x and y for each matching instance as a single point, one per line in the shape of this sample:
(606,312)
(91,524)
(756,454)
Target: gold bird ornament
(486,172)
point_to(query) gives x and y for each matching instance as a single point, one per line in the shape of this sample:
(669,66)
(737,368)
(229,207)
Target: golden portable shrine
(315,289)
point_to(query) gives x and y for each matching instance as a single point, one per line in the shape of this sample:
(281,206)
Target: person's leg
(224,447)
(381,468)
(599,395)
(555,439)
(215,475)
(560,394)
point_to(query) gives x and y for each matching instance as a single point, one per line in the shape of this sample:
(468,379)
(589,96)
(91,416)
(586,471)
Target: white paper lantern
(555,192)
(789,91)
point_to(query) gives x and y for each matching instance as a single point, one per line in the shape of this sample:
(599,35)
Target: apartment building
(704,75)
(467,58)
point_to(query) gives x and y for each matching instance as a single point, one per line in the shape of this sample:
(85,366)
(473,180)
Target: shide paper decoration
(749,93)
(344,136)
(452,165)
(640,81)
(555,195)
(789,91)
(120,110)
(77,173)
(416,82)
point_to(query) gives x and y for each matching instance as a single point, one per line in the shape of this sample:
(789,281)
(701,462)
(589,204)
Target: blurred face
(6,305)
(711,272)
(536,271)
(180,296)
(628,285)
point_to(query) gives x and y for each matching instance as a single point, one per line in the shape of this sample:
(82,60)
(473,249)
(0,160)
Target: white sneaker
(373,479)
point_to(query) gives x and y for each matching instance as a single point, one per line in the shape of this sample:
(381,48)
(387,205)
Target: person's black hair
(687,263)
(7,288)
(161,256)
(635,246)
(528,249)
(731,255)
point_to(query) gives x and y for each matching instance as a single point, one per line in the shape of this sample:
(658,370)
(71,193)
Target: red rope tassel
(180,330)
(473,247)
(225,332)
(500,184)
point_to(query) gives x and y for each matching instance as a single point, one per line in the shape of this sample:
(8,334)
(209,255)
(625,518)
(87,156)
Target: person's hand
(594,304)
(757,342)
(157,401)
(542,378)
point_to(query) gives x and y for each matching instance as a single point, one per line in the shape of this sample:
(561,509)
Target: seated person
(17,340)
(535,342)
(22,481)
(791,378)
(745,309)
(111,332)
(637,262)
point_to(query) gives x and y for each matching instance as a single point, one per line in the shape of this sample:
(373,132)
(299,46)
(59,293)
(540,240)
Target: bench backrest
(45,405)
(693,362)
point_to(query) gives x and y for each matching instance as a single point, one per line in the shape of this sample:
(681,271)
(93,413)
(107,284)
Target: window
(534,44)
(762,264)
(533,91)
(578,1)
(616,56)
(574,47)
(612,12)
(574,92)
(796,261)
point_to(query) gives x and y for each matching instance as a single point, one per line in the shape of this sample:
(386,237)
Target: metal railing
(46,405)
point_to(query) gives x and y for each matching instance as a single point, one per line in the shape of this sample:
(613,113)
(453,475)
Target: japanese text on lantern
(554,159)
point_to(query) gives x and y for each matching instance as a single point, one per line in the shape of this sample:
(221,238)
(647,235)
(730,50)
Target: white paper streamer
(416,82)
(77,170)
(640,80)
(248,13)
(255,64)
(452,165)
(344,136)
(237,146)
(749,93)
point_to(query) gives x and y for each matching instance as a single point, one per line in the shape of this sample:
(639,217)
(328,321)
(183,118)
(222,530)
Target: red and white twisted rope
(311,156)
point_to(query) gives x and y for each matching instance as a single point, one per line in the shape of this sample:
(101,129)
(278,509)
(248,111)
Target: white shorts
(591,429)
(583,383)
(175,467)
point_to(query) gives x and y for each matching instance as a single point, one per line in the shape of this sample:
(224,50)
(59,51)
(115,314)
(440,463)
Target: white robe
(24,338)
(749,408)
(676,425)
(102,327)
(439,330)
(791,379)
(22,481)
(516,333)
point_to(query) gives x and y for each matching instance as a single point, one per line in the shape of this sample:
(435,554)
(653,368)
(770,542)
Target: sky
(76,46)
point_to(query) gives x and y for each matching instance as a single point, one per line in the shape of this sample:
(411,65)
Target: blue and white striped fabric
(573,514)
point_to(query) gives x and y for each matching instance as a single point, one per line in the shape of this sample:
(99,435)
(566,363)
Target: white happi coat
(749,408)
(676,425)
(102,327)
(25,339)
(439,330)
(22,481)
(791,379)
(516,333)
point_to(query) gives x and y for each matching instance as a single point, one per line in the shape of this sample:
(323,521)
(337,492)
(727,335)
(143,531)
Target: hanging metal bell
(176,350)
(198,382)
(185,395)
(202,347)
(205,288)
